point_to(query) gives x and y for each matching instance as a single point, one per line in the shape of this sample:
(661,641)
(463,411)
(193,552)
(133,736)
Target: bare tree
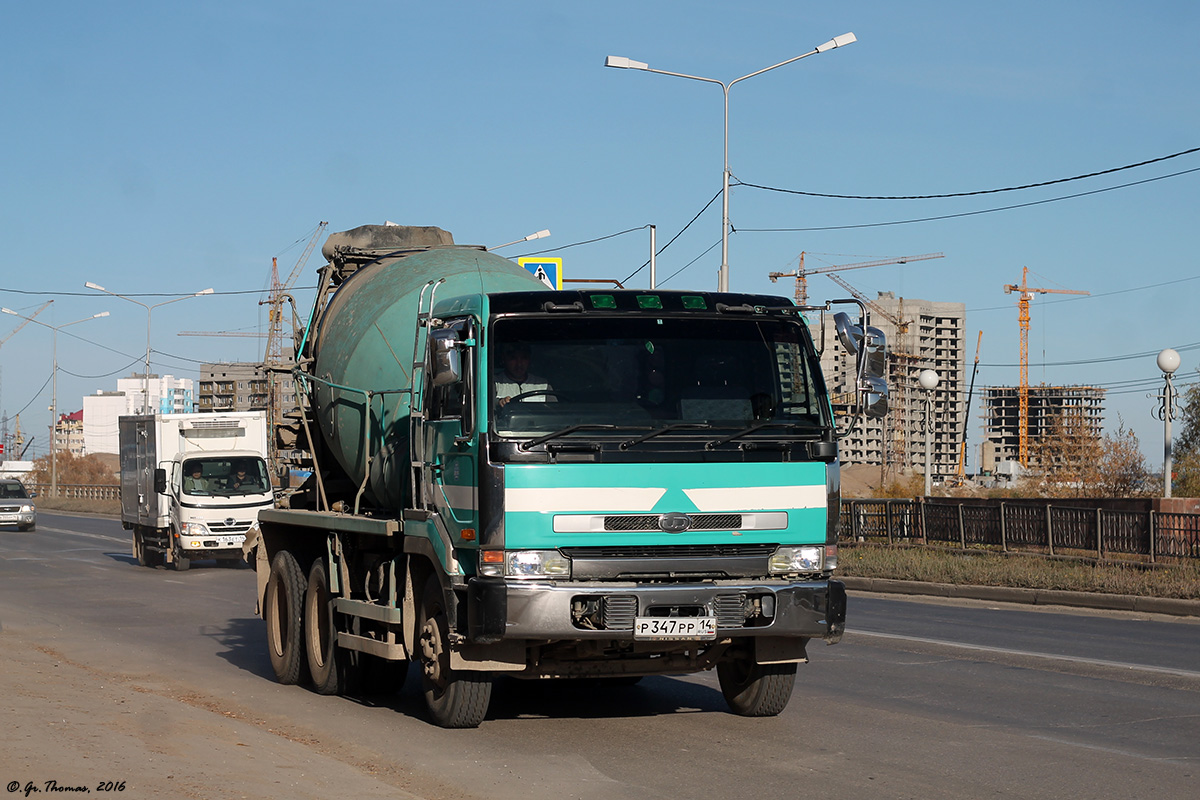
(1122,470)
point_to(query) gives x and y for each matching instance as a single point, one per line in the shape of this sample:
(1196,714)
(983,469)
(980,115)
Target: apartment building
(921,334)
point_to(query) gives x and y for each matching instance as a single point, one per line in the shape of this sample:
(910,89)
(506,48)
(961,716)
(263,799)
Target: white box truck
(192,484)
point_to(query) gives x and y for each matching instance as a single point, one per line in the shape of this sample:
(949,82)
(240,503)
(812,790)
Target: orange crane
(801,274)
(1027,292)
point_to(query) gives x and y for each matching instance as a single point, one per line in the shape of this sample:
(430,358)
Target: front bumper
(499,609)
(18,517)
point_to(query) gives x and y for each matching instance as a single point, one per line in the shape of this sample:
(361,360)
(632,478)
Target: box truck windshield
(225,477)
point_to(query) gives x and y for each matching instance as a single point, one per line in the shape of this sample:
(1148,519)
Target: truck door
(451,443)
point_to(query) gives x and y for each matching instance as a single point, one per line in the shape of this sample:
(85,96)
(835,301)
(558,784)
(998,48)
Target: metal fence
(1076,526)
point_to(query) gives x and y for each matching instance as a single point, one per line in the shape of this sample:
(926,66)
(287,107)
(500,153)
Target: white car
(16,506)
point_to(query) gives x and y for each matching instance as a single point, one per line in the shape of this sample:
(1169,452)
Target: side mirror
(848,333)
(160,481)
(445,358)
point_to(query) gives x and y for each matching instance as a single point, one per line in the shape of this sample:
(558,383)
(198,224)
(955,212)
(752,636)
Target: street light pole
(620,62)
(149,309)
(928,379)
(54,390)
(1168,362)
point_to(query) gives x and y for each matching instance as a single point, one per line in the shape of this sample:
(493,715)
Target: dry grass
(111,508)
(939,565)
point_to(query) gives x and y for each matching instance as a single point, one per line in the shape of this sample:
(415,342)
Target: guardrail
(79,491)
(1078,526)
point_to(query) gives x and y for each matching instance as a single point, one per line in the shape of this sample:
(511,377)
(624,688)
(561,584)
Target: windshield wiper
(757,426)
(674,426)
(573,428)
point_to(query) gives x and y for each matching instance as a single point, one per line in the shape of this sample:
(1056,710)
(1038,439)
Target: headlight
(807,558)
(28,508)
(524,564)
(196,529)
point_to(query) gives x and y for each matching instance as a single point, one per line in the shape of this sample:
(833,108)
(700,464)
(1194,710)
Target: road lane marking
(1097,662)
(85,535)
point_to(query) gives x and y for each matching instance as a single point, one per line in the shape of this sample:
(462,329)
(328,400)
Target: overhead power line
(966,213)
(977,191)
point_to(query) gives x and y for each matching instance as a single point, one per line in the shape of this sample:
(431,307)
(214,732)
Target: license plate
(230,541)
(675,628)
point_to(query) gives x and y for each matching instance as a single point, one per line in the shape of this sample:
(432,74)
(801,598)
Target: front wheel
(456,699)
(756,690)
(283,613)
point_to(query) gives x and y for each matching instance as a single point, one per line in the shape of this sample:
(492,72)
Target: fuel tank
(363,342)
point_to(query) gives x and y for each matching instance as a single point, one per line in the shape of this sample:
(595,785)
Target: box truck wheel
(456,699)
(326,661)
(146,555)
(756,690)
(283,611)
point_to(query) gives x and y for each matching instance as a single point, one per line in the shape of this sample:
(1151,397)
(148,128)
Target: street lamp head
(95,286)
(1168,361)
(101,314)
(928,379)
(205,291)
(10,311)
(837,41)
(621,62)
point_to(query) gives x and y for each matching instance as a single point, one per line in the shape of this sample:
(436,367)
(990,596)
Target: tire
(145,556)
(182,563)
(756,690)
(283,612)
(455,699)
(326,661)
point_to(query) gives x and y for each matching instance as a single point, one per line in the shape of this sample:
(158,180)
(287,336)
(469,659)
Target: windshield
(225,477)
(652,373)
(12,490)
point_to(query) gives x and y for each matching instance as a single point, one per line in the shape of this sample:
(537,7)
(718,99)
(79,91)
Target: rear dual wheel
(333,669)
(283,610)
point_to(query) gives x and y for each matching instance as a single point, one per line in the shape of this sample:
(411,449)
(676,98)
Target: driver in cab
(515,378)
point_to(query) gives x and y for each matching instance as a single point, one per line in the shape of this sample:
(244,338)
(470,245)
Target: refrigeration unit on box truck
(192,484)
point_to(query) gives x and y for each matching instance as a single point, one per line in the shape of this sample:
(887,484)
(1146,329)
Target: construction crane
(1027,292)
(25,322)
(962,449)
(7,336)
(801,274)
(274,352)
(273,360)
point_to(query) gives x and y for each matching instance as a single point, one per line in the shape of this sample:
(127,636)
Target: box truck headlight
(524,564)
(808,558)
(196,529)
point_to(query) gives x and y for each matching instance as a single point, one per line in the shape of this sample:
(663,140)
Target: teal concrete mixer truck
(510,480)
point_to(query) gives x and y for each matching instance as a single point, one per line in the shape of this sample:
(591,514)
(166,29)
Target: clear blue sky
(163,148)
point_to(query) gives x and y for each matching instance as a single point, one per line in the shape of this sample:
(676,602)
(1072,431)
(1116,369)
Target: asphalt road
(152,683)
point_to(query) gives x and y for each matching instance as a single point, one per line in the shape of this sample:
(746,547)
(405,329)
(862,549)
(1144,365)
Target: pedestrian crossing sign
(547,270)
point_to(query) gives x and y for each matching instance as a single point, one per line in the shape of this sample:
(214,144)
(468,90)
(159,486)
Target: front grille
(649,522)
(9,509)
(618,612)
(729,609)
(221,528)
(672,551)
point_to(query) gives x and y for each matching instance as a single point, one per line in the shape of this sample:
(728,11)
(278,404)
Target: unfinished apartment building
(921,334)
(1002,426)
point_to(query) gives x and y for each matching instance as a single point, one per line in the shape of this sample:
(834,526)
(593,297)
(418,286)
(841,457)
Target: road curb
(1039,597)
